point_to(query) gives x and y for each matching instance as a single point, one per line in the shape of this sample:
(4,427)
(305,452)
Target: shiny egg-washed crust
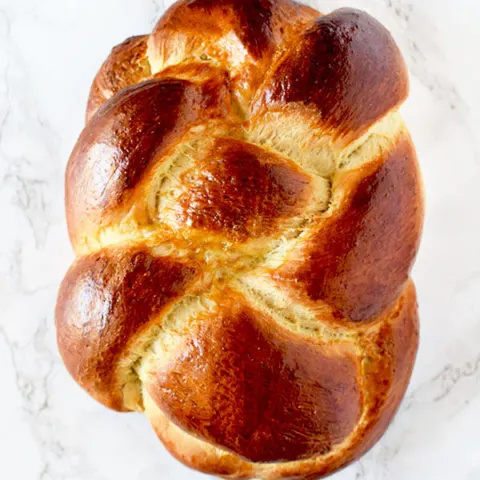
(246,206)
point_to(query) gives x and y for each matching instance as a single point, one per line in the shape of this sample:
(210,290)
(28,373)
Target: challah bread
(245,204)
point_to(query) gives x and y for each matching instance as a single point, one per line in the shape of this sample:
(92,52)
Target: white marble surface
(51,430)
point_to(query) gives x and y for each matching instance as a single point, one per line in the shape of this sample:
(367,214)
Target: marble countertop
(49,52)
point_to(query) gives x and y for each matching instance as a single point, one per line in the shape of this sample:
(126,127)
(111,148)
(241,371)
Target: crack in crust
(373,344)
(153,227)
(228,153)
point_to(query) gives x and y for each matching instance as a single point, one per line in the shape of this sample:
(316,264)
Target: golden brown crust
(127,137)
(386,358)
(126,65)
(358,258)
(106,300)
(241,191)
(260,25)
(195,453)
(246,207)
(347,66)
(241,34)
(247,386)
(388,366)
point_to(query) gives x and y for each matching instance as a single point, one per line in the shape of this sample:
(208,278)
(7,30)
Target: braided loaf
(246,206)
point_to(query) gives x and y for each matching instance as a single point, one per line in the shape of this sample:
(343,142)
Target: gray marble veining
(49,52)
